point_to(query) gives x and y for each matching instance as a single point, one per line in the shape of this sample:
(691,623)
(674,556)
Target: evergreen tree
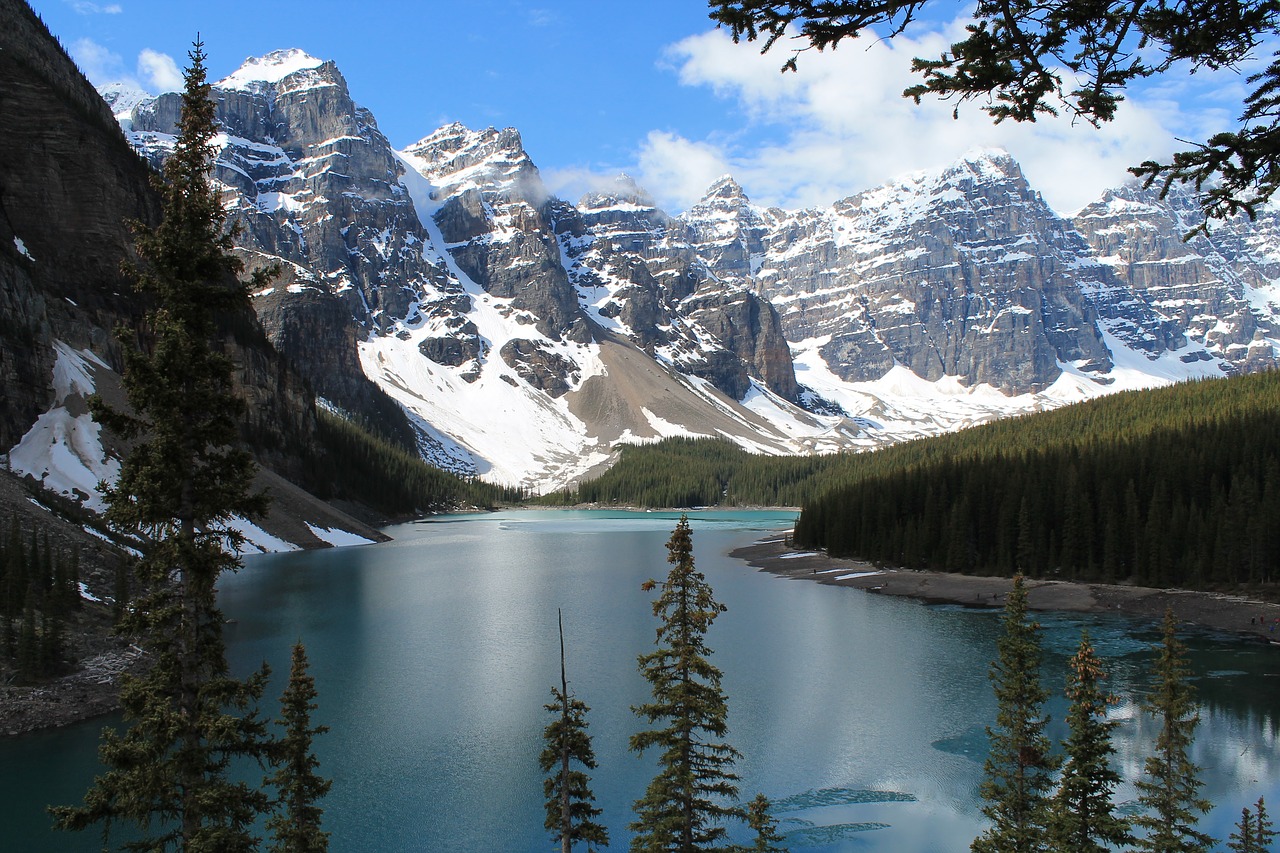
(120,602)
(295,827)
(28,643)
(1170,785)
(1082,817)
(73,577)
(1263,831)
(12,586)
(765,827)
(570,814)
(186,718)
(1253,833)
(52,641)
(684,805)
(1244,839)
(1019,769)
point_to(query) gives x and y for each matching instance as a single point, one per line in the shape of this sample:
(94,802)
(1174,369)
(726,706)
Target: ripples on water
(862,717)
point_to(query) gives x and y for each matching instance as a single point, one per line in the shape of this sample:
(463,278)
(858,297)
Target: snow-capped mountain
(1221,290)
(523,335)
(449,263)
(71,186)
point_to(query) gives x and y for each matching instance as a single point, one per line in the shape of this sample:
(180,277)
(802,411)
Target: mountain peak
(456,136)
(989,162)
(724,187)
(271,68)
(122,98)
(623,190)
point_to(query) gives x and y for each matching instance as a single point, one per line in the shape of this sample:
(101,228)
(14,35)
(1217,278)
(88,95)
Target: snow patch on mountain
(123,98)
(512,433)
(255,539)
(901,406)
(271,68)
(922,306)
(63,450)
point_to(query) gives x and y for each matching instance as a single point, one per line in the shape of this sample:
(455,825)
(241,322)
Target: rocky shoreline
(1251,619)
(91,691)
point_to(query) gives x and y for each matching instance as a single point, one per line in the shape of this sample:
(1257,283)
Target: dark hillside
(1173,487)
(69,185)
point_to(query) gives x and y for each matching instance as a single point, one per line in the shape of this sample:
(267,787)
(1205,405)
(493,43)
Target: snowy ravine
(63,450)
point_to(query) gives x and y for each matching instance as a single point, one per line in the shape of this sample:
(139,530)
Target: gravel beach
(1251,619)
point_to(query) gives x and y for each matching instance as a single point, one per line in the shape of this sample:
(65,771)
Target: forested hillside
(686,472)
(1171,487)
(1176,487)
(351,463)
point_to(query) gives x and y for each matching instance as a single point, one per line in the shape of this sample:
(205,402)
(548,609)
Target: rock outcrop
(1217,289)
(638,267)
(963,273)
(70,184)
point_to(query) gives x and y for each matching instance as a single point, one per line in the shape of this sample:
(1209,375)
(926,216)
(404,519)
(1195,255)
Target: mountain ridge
(467,285)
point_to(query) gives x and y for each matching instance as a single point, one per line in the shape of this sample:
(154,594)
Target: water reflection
(863,717)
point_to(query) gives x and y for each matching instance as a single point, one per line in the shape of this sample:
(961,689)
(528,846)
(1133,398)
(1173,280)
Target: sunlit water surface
(861,717)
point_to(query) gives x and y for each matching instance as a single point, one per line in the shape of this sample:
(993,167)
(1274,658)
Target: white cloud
(673,170)
(573,182)
(85,8)
(541,17)
(98,63)
(155,72)
(677,171)
(159,72)
(840,125)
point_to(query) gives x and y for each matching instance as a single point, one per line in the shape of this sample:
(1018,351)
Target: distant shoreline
(1219,611)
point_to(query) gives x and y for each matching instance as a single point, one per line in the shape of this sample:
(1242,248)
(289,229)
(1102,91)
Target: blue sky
(598,87)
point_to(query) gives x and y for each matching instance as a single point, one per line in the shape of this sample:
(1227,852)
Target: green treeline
(39,590)
(686,472)
(1174,487)
(351,463)
(1167,487)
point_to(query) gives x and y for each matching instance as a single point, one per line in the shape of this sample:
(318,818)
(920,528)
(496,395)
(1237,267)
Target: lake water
(861,716)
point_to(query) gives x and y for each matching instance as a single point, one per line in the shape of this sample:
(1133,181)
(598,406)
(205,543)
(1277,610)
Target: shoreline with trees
(1250,619)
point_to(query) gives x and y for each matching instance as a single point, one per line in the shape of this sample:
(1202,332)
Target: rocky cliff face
(493,218)
(69,183)
(491,310)
(450,267)
(966,274)
(963,273)
(641,275)
(1218,290)
(316,188)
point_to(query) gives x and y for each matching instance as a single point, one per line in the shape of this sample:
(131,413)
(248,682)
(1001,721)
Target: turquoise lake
(861,717)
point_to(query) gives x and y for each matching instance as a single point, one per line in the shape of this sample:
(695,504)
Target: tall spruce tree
(686,803)
(186,718)
(765,827)
(1169,787)
(1082,817)
(295,826)
(1019,769)
(571,817)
